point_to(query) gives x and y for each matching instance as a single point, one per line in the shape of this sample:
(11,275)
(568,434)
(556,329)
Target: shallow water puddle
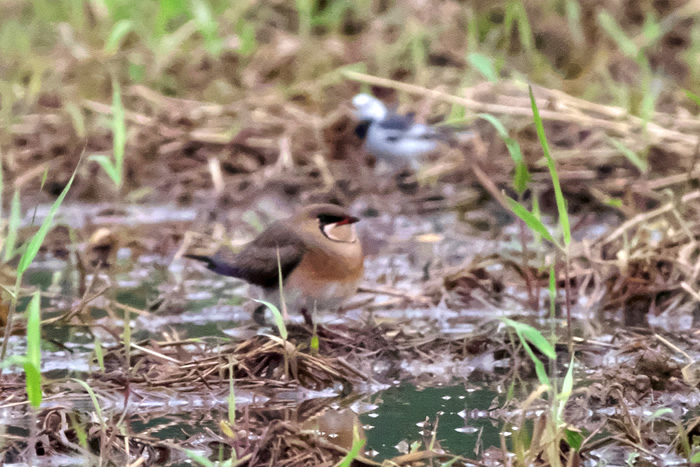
(459,413)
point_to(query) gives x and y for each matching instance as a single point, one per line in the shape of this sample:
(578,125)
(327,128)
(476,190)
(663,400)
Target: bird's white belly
(400,152)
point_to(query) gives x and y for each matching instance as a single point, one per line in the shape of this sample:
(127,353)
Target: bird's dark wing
(257,262)
(362,128)
(397,122)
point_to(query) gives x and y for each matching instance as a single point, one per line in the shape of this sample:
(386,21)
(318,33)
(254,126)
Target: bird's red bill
(348,220)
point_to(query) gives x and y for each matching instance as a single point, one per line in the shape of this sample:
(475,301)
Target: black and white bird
(394,138)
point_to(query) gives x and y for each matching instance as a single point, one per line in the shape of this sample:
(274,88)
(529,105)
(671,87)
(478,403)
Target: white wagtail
(393,138)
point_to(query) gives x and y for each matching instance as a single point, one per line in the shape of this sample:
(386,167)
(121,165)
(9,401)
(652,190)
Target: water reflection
(402,410)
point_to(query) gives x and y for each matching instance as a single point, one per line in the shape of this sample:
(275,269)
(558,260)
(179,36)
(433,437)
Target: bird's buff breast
(314,284)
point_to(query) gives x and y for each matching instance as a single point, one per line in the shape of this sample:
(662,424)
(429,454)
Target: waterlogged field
(530,294)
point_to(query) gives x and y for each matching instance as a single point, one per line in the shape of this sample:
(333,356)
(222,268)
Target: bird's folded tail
(216,265)
(453,135)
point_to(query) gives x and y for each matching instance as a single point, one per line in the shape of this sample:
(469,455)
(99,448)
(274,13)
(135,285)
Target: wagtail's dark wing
(396,122)
(362,128)
(392,126)
(397,127)
(257,263)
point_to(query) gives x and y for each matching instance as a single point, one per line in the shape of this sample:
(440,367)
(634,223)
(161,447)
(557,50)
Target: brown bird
(320,258)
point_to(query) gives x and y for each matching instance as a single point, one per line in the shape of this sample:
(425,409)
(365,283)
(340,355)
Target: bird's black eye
(326,219)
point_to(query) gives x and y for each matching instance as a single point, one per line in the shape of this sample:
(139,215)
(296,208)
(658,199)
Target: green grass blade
(32,365)
(357,445)
(450,462)
(573,17)
(647,106)
(95,402)
(533,222)
(539,366)
(207,25)
(561,202)
(483,65)
(231,396)
(526,37)
(107,165)
(660,413)
(574,439)
(692,96)
(77,118)
(246,35)
(538,340)
(615,31)
(99,354)
(33,383)
(279,319)
(515,14)
(79,430)
(43,179)
(457,114)
(522,177)
(652,30)
(169,9)
(119,31)
(34,330)
(533,336)
(630,155)
(567,386)
(38,238)
(200,459)
(305,13)
(315,345)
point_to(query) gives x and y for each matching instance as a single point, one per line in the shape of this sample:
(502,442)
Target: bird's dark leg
(307,317)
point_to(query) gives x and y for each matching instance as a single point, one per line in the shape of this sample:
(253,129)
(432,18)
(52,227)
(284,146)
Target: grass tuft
(558,194)
(114,167)
(28,256)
